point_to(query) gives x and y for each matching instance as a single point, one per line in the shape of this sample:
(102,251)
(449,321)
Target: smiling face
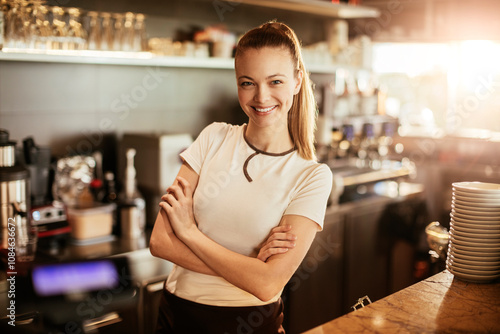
(267,82)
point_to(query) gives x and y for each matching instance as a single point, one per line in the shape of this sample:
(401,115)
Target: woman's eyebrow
(268,77)
(276,75)
(244,77)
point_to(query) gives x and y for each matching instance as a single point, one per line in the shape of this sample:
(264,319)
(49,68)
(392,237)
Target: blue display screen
(79,277)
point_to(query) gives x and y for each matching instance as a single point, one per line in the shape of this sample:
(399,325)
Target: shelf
(113,58)
(132,59)
(316,7)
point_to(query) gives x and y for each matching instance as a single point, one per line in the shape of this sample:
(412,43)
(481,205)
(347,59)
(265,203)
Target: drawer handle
(105,320)
(155,286)
(361,302)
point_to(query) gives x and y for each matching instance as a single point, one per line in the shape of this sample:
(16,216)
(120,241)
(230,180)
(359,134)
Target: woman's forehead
(266,57)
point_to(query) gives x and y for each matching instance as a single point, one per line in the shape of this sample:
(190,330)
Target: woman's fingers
(274,247)
(265,254)
(281,233)
(179,189)
(186,186)
(279,241)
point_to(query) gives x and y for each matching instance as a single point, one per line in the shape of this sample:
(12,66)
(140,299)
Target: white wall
(59,104)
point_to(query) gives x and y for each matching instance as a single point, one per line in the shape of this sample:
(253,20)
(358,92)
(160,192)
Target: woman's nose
(261,94)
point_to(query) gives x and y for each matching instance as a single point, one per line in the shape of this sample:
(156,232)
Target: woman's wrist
(188,233)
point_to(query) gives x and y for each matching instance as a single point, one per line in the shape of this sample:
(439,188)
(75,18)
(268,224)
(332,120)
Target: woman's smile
(264,110)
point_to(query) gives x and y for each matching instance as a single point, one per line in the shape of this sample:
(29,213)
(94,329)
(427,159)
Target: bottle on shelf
(345,146)
(368,145)
(385,139)
(110,196)
(132,206)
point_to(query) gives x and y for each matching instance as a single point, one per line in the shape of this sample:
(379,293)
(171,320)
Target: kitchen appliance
(78,296)
(37,160)
(14,192)
(157,163)
(51,220)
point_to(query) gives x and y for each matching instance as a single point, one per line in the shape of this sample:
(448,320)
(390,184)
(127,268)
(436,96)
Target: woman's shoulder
(321,170)
(221,129)
(316,168)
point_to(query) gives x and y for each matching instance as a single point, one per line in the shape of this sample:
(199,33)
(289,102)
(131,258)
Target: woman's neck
(269,140)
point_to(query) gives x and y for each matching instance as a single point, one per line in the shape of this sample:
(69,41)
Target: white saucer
(472,278)
(460,247)
(474,257)
(474,237)
(469,206)
(477,213)
(475,200)
(474,221)
(468,233)
(473,215)
(461,259)
(453,213)
(478,187)
(475,226)
(464,227)
(490,255)
(494,272)
(460,193)
(478,204)
(479,244)
(474,269)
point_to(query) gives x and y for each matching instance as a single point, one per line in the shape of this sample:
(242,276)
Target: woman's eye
(276,82)
(245,84)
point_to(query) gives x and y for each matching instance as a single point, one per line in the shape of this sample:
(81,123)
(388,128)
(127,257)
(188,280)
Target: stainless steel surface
(7,150)
(14,194)
(7,156)
(355,171)
(144,267)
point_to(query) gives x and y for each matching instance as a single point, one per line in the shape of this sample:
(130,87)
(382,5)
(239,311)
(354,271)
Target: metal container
(14,193)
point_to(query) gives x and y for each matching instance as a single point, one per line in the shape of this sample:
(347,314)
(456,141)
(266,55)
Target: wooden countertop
(439,304)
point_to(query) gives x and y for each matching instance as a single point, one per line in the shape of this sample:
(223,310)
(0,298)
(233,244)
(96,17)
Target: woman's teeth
(264,109)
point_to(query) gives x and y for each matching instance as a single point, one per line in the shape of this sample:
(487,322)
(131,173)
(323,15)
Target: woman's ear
(298,82)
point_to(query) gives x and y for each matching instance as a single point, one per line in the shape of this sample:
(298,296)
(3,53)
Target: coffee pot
(14,193)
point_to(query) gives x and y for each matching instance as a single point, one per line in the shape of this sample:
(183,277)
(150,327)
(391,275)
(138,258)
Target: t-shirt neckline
(258,151)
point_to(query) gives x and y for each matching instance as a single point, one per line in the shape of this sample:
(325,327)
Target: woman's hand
(178,204)
(278,242)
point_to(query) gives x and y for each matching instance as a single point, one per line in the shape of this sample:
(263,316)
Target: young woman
(248,199)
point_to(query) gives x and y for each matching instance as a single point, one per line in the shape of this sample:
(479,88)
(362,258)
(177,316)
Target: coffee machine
(14,192)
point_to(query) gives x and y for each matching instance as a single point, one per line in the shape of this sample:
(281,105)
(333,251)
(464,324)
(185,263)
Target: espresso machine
(14,192)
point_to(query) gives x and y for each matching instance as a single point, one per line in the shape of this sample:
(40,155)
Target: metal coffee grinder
(14,193)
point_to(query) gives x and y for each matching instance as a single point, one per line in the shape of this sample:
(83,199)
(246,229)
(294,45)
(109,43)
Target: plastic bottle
(132,204)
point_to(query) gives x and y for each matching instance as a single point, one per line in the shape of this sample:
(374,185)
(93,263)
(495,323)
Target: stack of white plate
(474,244)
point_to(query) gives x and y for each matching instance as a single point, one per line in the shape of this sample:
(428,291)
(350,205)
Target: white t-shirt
(239,214)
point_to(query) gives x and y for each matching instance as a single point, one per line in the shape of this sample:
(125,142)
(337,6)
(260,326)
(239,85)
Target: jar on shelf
(139,39)
(94,34)
(76,34)
(59,29)
(128,32)
(107,32)
(117,31)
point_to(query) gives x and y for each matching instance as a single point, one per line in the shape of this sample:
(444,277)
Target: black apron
(181,316)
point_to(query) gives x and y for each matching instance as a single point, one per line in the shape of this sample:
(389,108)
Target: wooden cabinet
(357,254)
(312,296)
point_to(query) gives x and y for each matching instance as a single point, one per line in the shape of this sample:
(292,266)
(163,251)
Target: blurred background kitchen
(97,98)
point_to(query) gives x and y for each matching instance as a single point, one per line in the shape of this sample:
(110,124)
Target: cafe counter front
(439,304)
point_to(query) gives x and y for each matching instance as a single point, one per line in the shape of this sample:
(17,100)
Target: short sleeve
(197,152)
(312,195)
